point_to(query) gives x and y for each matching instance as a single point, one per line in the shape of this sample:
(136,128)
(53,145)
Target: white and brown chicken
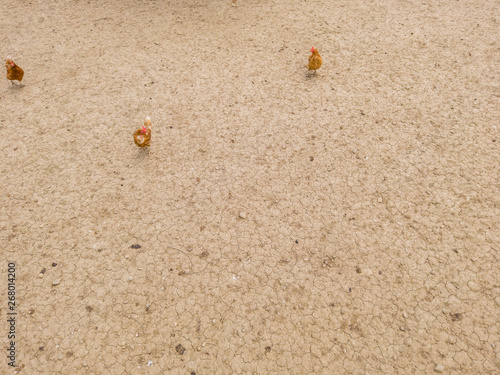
(142,136)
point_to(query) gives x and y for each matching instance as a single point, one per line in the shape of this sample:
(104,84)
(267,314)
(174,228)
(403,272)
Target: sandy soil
(343,223)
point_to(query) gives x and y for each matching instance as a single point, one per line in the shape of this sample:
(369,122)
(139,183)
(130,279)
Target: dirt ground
(281,223)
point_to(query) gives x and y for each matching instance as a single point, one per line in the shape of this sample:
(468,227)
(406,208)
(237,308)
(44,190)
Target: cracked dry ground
(281,223)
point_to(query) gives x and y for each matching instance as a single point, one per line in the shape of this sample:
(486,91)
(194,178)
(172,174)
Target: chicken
(14,72)
(315,60)
(142,136)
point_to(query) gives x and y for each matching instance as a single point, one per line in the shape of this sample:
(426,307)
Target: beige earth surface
(281,222)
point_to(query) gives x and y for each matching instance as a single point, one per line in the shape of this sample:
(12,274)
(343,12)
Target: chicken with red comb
(315,60)
(14,72)
(142,136)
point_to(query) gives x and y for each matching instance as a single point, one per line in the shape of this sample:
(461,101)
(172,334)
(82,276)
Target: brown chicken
(14,72)
(142,136)
(315,60)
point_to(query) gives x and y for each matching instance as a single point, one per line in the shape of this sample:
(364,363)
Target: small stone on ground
(439,368)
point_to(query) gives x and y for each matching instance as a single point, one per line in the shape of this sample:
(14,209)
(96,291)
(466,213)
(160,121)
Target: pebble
(56,282)
(243,215)
(405,315)
(439,368)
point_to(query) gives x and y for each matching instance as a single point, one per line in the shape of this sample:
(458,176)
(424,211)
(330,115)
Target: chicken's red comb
(143,130)
(312,49)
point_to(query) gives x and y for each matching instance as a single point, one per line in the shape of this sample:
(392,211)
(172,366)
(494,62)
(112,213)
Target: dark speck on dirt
(180,349)
(456,317)
(136,246)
